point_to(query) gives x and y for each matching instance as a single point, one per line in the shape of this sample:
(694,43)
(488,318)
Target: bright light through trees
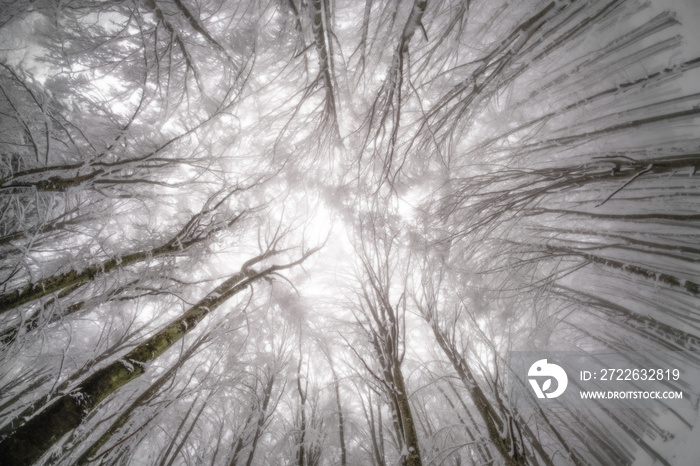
(313,232)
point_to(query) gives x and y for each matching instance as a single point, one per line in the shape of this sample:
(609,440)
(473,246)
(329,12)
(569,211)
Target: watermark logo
(543,370)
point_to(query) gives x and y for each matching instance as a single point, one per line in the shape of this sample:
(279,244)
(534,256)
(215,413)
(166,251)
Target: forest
(314,232)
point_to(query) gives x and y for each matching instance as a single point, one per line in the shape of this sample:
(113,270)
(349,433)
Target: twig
(646,170)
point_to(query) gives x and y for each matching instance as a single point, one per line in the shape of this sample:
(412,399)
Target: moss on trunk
(71,279)
(30,441)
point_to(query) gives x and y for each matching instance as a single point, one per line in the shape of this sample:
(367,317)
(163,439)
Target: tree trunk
(34,438)
(89,454)
(69,281)
(409,429)
(341,427)
(494,423)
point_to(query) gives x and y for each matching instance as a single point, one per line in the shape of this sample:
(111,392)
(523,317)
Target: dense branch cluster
(312,231)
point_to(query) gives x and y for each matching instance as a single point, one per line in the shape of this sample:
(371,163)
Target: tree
(30,441)
(380,314)
(313,232)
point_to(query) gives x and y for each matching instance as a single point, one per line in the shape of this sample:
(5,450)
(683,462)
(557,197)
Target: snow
(682,450)
(502,226)
(127,364)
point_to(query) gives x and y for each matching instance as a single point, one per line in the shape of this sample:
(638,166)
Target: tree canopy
(312,232)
